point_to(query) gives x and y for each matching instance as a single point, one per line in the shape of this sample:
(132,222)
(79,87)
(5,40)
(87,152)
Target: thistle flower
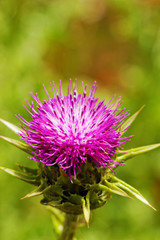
(77,135)
(70,130)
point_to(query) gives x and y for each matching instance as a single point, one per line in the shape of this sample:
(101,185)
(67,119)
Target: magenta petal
(66,130)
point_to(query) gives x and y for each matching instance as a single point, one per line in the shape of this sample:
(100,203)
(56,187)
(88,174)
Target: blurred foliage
(116,43)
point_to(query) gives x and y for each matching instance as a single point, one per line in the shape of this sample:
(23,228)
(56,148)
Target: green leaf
(53,191)
(11,126)
(22,176)
(25,147)
(109,189)
(131,190)
(66,207)
(75,199)
(29,171)
(56,202)
(130,120)
(50,192)
(136,151)
(86,207)
(36,192)
(116,189)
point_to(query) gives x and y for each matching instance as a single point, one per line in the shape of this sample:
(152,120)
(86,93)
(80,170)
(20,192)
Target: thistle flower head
(75,132)
(70,130)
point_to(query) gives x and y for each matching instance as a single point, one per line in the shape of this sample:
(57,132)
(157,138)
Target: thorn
(24,197)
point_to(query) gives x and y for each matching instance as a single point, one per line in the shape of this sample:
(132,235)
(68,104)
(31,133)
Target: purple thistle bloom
(70,130)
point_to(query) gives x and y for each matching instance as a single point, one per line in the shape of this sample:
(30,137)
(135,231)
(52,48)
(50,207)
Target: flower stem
(69,227)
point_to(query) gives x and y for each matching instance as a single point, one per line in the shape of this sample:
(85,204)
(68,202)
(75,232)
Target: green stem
(69,227)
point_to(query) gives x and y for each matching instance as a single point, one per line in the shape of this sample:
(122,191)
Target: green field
(116,43)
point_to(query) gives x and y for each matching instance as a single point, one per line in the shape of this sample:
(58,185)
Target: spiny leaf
(22,176)
(27,170)
(131,190)
(130,120)
(26,148)
(56,201)
(75,199)
(66,207)
(116,189)
(136,194)
(36,192)
(110,190)
(53,190)
(11,126)
(136,151)
(86,207)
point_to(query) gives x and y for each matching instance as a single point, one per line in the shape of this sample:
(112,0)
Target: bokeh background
(116,43)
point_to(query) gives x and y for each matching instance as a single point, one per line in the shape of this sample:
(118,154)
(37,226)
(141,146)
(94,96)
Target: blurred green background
(116,43)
